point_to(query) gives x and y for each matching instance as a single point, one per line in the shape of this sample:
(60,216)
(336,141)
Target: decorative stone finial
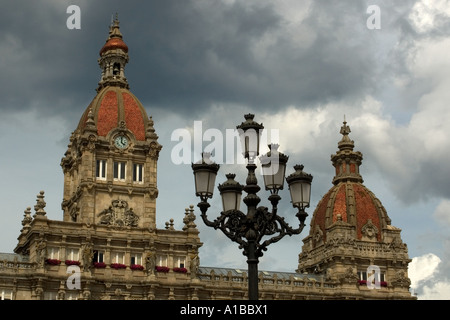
(90,123)
(27,219)
(151,130)
(346,143)
(40,204)
(169,225)
(189,218)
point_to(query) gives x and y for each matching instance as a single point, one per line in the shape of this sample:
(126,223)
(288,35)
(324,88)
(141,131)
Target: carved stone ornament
(27,219)
(155,148)
(40,204)
(74,212)
(397,245)
(87,254)
(41,253)
(318,236)
(150,262)
(195,263)
(118,214)
(349,277)
(91,142)
(369,231)
(401,280)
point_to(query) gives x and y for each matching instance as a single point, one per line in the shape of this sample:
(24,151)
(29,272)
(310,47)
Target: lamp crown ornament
(250,133)
(230,183)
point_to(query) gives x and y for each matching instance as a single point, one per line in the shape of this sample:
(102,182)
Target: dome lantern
(346,161)
(113,58)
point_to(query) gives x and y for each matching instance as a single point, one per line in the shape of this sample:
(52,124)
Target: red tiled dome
(111,106)
(352,203)
(349,202)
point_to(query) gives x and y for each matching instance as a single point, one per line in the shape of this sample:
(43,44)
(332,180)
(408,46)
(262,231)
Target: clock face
(121,142)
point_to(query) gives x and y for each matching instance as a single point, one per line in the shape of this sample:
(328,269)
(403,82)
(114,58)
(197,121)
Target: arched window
(116,69)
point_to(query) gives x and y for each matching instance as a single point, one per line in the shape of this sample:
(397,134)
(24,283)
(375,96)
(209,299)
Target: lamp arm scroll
(231,223)
(278,226)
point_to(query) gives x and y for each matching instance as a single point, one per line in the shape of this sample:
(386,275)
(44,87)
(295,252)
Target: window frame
(119,170)
(138,173)
(163,261)
(4,293)
(137,259)
(72,295)
(98,255)
(53,253)
(180,262)
(72,254)
(118,257)
(101,168)
(362,275)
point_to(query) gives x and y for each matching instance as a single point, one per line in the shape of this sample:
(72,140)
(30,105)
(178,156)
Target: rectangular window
(100,170)
(162,261)
(117,257)
(6,295)
(98,256)
(72,254)
(138,172)
(362,275)
(50,295)
(119,171)
(136,258)
(52,253)
(179,262)
(71,296)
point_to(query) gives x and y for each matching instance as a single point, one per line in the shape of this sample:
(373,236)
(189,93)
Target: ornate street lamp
(259,227)
(205,172)
(273,169)
(300,189)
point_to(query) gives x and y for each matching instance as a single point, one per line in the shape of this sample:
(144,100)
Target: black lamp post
(248,230)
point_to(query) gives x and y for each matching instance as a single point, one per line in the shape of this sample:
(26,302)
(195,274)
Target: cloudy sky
(299,66)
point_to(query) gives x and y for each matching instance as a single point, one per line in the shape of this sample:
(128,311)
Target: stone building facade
(107,245)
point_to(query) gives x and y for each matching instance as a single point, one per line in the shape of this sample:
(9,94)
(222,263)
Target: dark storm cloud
(200,55)
(207,54)
(186,55)
(44,65)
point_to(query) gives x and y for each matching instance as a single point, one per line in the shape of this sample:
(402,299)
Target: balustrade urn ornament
(40,204)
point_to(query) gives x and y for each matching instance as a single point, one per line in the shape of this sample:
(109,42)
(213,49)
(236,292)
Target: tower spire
(113,58)
(346,161)
(346,143)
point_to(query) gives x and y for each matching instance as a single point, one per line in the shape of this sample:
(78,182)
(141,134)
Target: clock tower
(110,165)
